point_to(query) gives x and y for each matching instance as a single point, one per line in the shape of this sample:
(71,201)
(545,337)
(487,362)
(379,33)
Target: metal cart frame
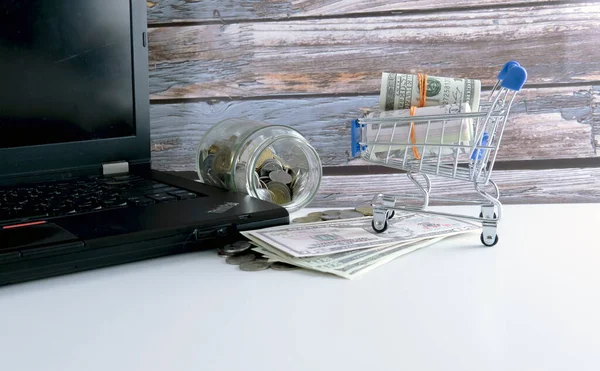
(471,161)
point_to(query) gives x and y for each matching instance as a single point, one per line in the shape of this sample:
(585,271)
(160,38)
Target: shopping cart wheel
(390,214)
(379,229)
(495,216)
(486,243)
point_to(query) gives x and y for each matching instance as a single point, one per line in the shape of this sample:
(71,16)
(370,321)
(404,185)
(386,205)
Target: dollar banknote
(401,91)
(349,264)
(386,129)
(326,238)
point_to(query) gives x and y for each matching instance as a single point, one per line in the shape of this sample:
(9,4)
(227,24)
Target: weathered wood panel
(531,186)
(166,11)
(548,123)
(558,44)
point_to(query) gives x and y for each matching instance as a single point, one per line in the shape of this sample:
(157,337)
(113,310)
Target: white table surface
(529,303)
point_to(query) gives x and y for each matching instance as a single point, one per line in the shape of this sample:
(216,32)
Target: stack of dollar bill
(349,247)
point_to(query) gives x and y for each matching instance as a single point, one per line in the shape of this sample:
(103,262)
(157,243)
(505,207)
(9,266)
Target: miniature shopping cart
(461,145)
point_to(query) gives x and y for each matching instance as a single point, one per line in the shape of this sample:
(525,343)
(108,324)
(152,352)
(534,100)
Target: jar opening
(285,170)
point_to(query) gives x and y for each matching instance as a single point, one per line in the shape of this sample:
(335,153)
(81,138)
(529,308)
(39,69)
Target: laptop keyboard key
(183,195)
(140,201)
(162,197)
(85,195)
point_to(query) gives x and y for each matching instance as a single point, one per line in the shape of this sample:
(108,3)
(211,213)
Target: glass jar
(272,162)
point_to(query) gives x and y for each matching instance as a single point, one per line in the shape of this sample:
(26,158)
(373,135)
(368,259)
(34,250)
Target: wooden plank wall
(315,64)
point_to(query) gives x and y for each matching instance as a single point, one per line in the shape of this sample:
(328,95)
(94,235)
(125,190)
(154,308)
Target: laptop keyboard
(85,195)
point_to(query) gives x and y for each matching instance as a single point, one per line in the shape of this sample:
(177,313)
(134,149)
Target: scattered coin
(365,210)
(307,219)
(254,266)
(350,214)
(240,259)
(315,215)
(331,215)
(280,266)
(242,244)
(222,252)
(236,248)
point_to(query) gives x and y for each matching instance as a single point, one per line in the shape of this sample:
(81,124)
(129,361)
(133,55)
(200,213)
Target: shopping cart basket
(468,154)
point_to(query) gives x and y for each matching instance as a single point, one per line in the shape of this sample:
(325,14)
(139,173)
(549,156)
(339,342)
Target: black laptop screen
(66,71)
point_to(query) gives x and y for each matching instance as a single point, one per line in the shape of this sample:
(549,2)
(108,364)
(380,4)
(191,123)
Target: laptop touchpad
(36,236)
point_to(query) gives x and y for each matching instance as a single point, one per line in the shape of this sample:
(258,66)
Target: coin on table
(236,249)
(280,266)
(307,219)
(280,193)
(280,176)
(240,259)
(254,266)
(350,214)
(222,252)
(242,244)
(331,215)
(316,214)
(365,210)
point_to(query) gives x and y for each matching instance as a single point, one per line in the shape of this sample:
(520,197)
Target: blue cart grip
(478,153)
(355,138)
(507,67)
(515,78)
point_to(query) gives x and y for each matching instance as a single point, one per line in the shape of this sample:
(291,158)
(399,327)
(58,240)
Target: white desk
(529,303)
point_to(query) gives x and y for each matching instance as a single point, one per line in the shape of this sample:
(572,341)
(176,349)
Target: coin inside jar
(280,176)
(267,154)
(280,193)
(223,161)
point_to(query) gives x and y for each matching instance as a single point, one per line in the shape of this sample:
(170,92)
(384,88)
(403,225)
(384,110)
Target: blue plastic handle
(478,153)
(355,138)
(515,78)
(507,67)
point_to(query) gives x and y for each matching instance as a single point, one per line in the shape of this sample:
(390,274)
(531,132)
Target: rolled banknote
(401,91)
(455,131)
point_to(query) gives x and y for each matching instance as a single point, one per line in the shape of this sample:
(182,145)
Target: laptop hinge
(112,168)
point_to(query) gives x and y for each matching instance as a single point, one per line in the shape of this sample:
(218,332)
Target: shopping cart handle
(506,67)
(515,78)
(355,138)
(478,153)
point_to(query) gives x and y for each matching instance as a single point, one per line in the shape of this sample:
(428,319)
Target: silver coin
(222,252)
(264,194)
(365,210)
(331,215)
(269,166)
(256,180)
(242,244)
(235,249)
(301,182)
(254,266)
(240,259)
(279,266)
(350,214)
(280,193)
(280,176)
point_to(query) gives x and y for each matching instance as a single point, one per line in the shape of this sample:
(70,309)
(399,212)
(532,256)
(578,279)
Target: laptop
(77,190)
